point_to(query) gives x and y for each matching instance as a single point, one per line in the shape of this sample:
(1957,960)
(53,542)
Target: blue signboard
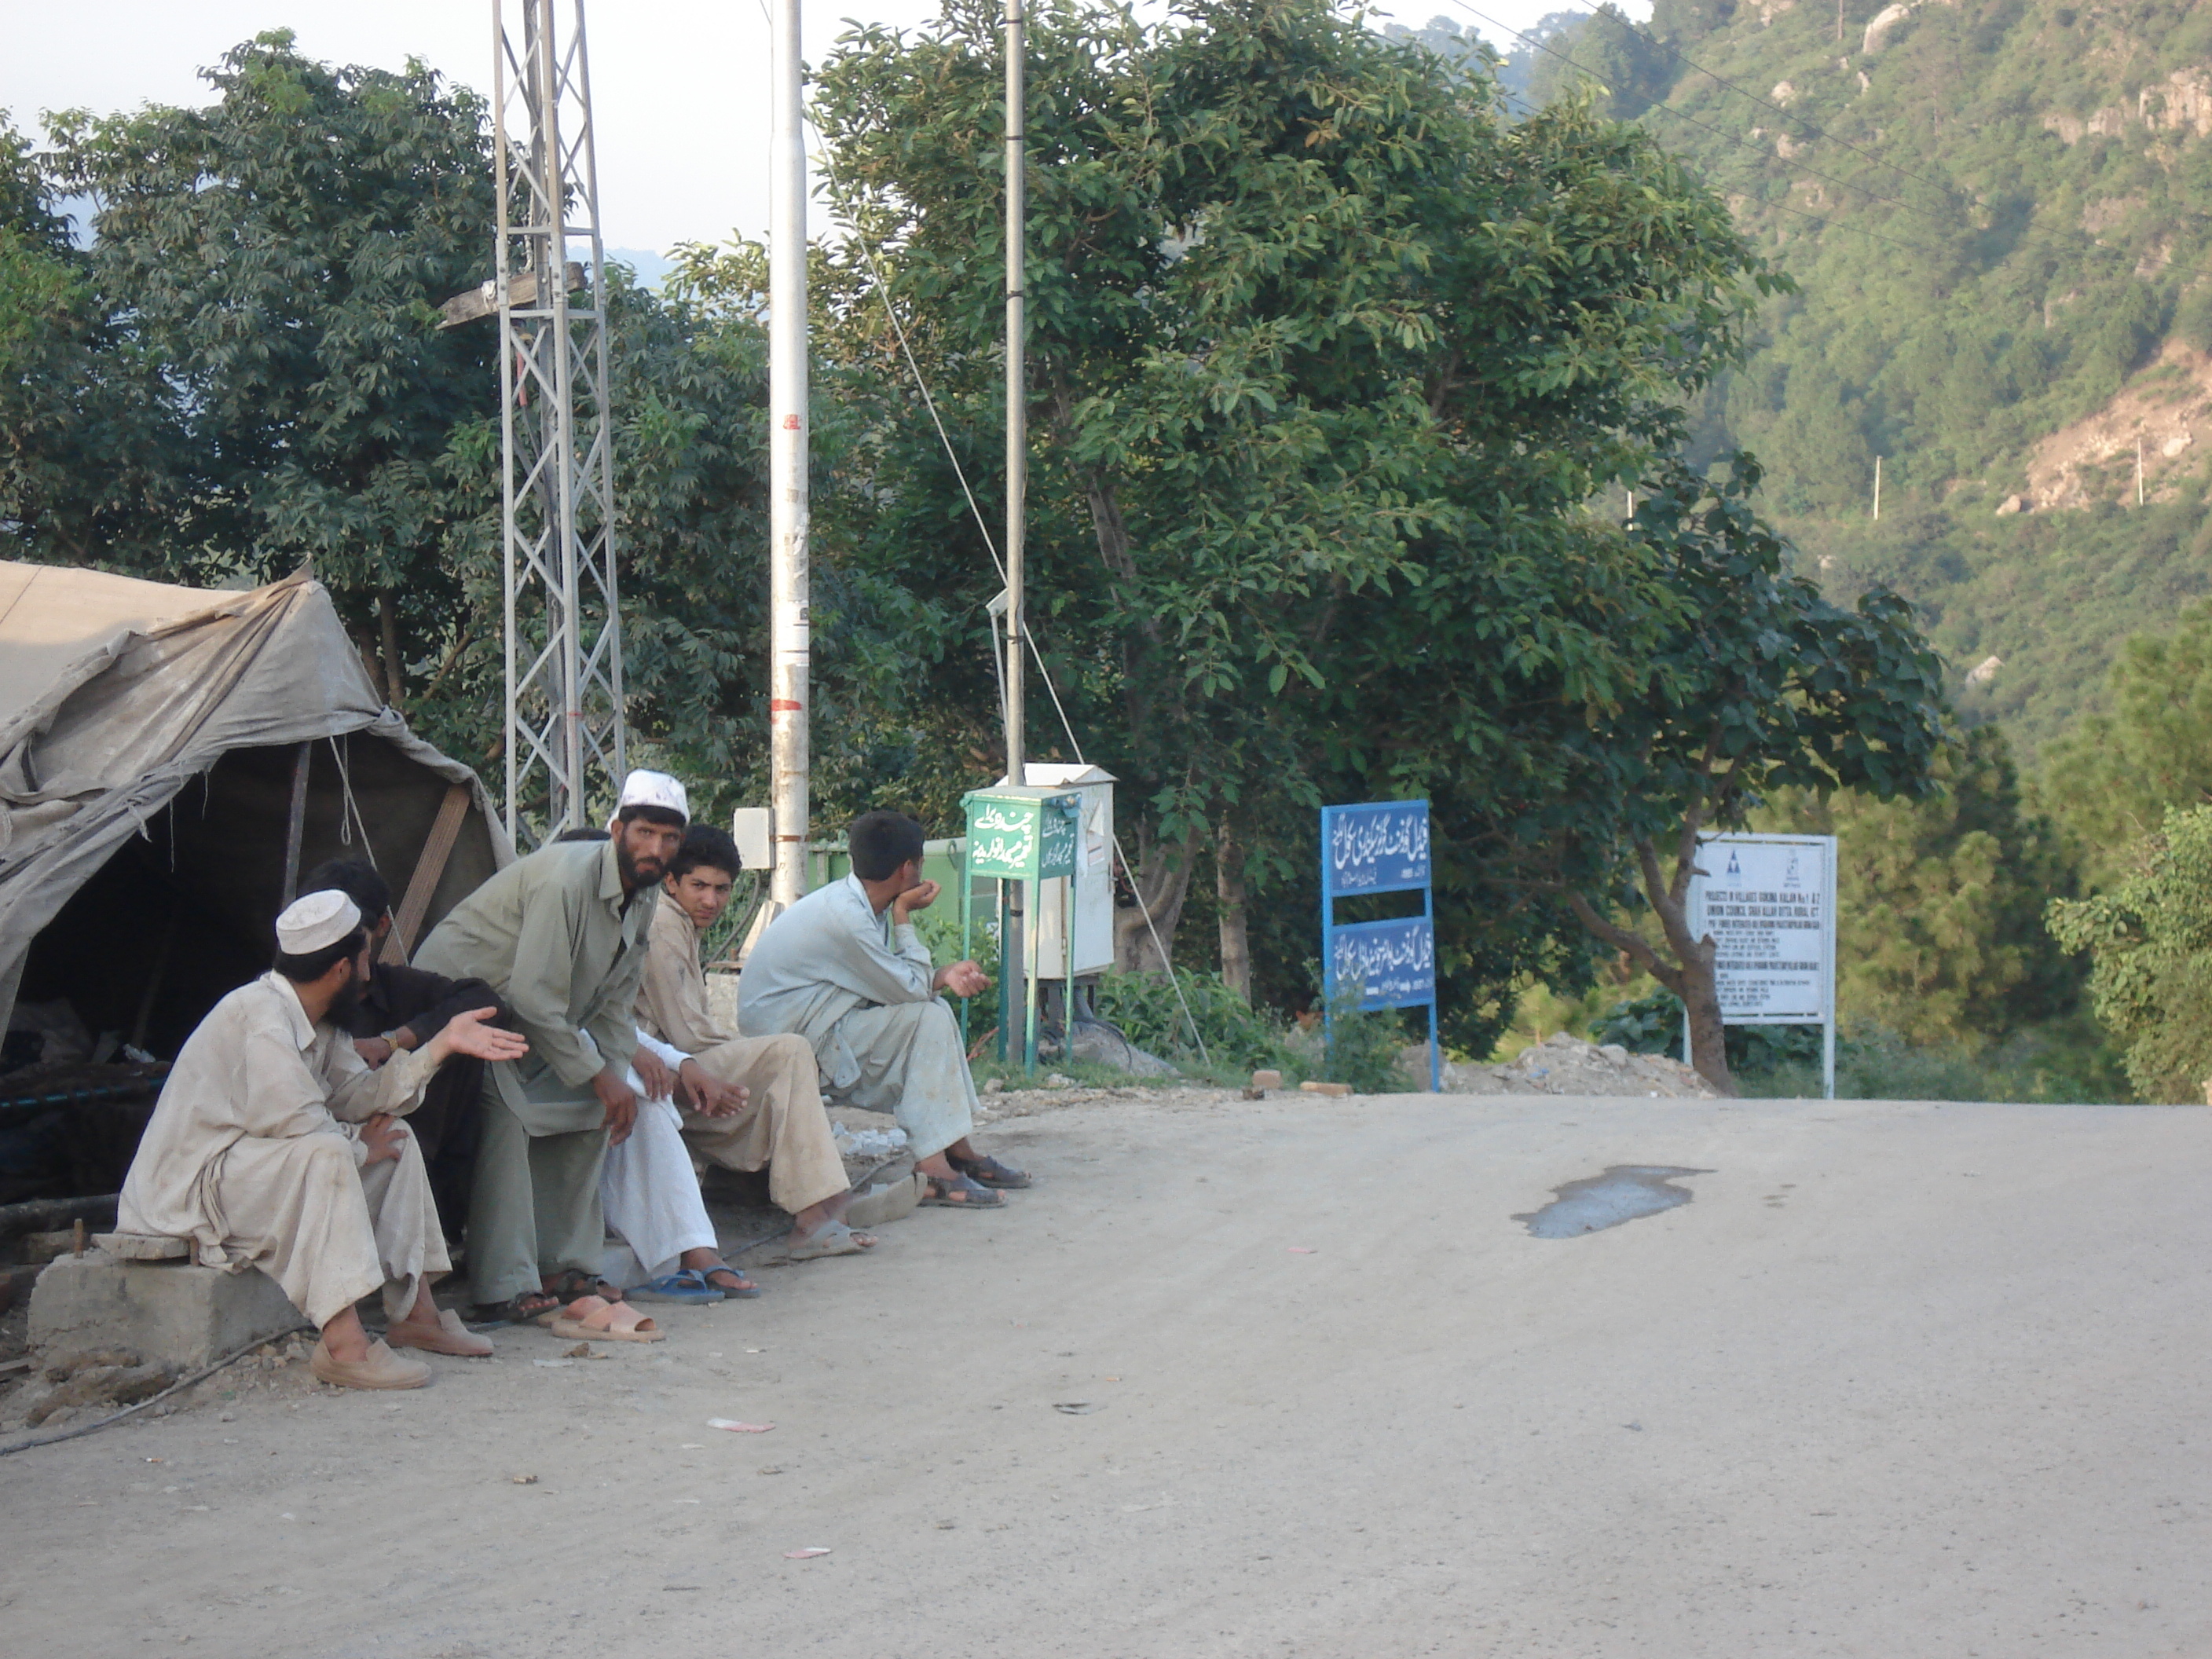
(1392,963)
(1380,846)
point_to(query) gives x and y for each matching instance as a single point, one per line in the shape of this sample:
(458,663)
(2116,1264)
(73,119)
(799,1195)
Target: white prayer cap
(643,788)
(316,921)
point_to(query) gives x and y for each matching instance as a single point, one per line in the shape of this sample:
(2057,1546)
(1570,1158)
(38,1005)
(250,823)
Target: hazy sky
(679,87)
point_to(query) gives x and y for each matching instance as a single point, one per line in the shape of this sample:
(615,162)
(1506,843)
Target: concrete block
(177,1314)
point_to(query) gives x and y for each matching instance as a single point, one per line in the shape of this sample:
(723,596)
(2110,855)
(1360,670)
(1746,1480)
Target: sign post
(1023,833)
(1380,846)
(1769,903)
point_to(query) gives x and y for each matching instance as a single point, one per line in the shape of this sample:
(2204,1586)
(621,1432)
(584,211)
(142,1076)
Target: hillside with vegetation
(1996,216)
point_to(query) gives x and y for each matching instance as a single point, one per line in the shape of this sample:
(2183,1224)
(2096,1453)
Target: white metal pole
(790,645)
(1828,929)
(1877,488)
(1017,373)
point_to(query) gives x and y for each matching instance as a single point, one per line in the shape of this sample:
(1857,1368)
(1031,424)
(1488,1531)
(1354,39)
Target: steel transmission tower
(565,728)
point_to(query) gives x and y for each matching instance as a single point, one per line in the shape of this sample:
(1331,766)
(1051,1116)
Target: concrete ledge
(172,1313)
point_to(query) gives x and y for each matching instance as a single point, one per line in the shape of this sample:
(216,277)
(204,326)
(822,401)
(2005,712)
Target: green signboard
(1021,834)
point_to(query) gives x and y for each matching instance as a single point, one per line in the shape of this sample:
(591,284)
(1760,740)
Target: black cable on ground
(200,1375)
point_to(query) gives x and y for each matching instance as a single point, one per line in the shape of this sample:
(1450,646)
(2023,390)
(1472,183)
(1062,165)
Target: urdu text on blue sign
(1392,963)
(1382,848)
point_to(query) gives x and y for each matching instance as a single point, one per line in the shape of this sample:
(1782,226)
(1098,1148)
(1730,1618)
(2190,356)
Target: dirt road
(1901,1380)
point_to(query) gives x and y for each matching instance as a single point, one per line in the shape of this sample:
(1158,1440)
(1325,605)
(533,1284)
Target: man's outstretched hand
(621,1101)
(468,1034)
(963,979)
(919,896)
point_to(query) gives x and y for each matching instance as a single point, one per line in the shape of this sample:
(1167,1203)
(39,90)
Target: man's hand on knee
(383,1135)
(621,1102)
(963,979)
(652,1071)
(712,1098)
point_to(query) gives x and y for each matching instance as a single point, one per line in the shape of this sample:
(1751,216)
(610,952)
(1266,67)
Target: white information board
(1768,903)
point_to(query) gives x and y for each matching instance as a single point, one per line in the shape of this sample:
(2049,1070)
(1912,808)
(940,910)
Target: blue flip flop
(687,1286)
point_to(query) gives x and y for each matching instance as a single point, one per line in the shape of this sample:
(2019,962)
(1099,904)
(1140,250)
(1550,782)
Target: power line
(1817,131)
(921,384)
(1683,115)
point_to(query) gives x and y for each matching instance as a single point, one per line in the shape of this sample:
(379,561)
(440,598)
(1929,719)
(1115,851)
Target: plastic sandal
(594,1317)
(746,1290)
(961,1193)
(688,1287)
(988,1172)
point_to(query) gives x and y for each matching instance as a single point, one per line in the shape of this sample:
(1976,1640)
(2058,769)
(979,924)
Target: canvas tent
(168,754)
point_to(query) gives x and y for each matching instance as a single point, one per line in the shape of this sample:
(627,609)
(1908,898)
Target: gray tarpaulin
(148,736)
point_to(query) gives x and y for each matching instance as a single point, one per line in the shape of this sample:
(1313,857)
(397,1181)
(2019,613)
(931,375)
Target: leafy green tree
(84,447)
(1606,58)
(1328,363)
(2150,942)
(2112,780)
(1753,683)
(1940,935)
(280,254)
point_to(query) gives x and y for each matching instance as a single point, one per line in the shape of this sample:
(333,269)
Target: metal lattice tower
(565,731)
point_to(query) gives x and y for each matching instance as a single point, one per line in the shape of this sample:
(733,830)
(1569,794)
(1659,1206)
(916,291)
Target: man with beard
(274,1145)
(402,1008)
(559,937)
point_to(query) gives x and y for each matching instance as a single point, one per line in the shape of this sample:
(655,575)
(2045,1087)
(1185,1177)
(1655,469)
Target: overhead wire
(1681,57)
(1044,673)
(1720,132)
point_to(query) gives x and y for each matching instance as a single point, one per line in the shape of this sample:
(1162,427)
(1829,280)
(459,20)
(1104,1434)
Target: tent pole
(295,827)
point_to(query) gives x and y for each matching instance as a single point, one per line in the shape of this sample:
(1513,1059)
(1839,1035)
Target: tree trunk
(1687,969)
(1144,933)
(1228,889)
(395,673)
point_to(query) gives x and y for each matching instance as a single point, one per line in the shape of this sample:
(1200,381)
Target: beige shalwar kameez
(783,1125)
(858,988)
(254,1153)
(556,937)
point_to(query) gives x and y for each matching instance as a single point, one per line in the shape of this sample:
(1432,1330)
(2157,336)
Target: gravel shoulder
(1905,1378)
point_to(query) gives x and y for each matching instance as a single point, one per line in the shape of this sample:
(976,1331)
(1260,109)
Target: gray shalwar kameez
(857,986)
(554,934)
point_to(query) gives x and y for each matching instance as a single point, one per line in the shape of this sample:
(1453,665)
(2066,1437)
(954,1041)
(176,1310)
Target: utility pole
(2139,493)
(565,727)
(1017,413)
(790,634)
(1877,489)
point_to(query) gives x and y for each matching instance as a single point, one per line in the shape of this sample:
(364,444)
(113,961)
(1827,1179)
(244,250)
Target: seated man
(862,989)
(560,935)
(403,1008)
(274,1145)
(760,1097)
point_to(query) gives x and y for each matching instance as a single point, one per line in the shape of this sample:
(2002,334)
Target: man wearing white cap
(561,936)
(274,1145)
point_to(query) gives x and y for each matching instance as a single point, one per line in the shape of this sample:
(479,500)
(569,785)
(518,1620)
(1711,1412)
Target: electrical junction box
(753,829)
(1094,881)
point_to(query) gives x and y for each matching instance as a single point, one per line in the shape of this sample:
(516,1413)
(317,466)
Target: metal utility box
(1094,885)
